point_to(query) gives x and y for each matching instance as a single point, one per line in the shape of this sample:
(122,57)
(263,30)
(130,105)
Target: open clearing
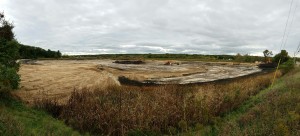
(58,78)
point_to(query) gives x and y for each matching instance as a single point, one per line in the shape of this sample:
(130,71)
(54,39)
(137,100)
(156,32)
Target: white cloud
(153,26)
(127,46)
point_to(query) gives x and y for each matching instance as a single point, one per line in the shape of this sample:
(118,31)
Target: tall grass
(9,125)
(278,114)
(17,119)
(168,109)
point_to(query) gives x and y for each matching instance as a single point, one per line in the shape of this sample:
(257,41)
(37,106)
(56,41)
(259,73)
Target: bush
(287,66)
(282,56)
(9,53)
(9,79)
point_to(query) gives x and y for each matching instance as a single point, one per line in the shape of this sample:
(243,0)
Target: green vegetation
(282,57)
(196,57)
(274,111)
(267,55)
(17,119)
(30,52)
(286,63)
(287,66)
(9,53)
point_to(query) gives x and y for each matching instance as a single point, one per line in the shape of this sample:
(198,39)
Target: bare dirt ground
(58,78)
(150,70)
(185,73)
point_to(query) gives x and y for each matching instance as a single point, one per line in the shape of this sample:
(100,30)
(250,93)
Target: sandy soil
(57,79)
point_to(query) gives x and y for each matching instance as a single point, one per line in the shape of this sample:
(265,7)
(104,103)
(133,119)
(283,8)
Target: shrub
(50,106)
(9,79)
(282,56)
(287,66)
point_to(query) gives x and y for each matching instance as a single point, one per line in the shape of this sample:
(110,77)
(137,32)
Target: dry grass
(158,110)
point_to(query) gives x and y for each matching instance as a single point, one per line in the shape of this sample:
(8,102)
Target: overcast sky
(154,26)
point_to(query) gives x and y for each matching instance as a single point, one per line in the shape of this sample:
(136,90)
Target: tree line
(30,52)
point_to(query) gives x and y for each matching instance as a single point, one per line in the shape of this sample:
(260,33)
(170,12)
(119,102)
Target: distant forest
(30,52)
(196,57)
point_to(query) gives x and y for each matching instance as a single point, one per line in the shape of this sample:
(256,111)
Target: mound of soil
(267,65)
(129,62)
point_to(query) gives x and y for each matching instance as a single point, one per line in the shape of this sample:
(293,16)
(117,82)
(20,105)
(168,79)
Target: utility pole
(296,53)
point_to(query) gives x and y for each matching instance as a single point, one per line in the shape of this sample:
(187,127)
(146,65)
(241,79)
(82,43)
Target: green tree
(247,58)
(9,79)
(282,57)
(58,54)
(238,57)
(267,54)
(6,29)
(9,53)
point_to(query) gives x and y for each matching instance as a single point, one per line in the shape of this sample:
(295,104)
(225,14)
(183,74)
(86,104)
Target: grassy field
(273,111)
(17,119)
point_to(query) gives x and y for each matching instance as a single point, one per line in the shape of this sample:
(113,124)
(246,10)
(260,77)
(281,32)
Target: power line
(286,25)
(283,40)
(296,52)
(291,24)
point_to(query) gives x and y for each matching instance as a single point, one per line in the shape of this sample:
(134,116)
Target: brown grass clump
(168,109)
(50,106)
(222,98)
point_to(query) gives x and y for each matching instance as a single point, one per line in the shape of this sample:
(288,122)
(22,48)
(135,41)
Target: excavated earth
(56,79)
(183,72)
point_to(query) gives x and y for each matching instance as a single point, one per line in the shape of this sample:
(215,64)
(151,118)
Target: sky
(155,26)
